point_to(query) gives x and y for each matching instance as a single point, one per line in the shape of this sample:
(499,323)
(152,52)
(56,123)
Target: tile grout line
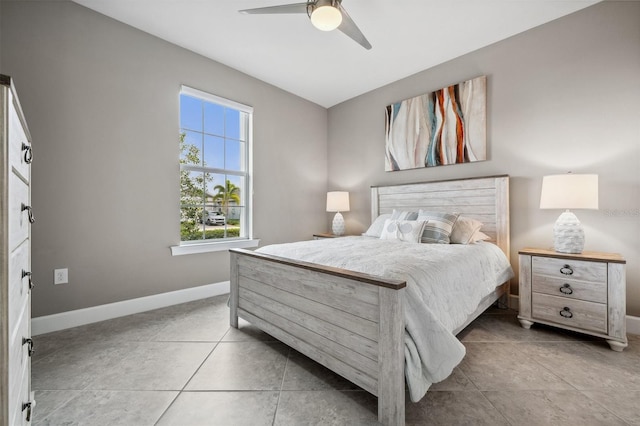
(189,380)
(284,374)
(604,406)
(494,407)
(533,358)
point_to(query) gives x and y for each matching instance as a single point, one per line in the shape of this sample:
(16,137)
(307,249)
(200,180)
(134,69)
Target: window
(215,175)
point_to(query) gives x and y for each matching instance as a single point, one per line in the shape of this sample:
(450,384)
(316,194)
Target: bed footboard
(349,322)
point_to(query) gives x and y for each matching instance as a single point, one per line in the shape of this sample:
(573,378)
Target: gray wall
(101,100)
(563,96)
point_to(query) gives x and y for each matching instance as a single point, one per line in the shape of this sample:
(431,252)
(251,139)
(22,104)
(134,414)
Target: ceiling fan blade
(284,8)
(350,28)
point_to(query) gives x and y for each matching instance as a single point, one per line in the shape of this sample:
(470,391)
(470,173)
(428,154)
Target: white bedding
(445,284)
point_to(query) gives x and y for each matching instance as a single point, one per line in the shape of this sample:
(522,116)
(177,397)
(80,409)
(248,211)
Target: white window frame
(204,246)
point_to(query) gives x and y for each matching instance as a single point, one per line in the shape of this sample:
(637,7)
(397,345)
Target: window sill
(212,246)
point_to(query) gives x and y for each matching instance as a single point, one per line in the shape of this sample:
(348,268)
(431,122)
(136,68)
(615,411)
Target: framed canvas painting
(448,126)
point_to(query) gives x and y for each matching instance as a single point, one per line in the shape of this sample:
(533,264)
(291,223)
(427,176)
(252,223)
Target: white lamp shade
(326,18)
(337,201)
(569,191)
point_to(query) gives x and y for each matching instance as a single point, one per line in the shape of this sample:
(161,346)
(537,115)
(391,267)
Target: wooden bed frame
(353,323)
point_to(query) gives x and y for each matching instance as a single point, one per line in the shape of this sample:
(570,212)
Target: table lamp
(337,201)
(569,191)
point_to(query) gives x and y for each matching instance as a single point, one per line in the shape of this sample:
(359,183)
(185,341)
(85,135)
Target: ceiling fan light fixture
(326,18)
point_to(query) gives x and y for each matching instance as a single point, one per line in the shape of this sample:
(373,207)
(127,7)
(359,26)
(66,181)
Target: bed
(354,322)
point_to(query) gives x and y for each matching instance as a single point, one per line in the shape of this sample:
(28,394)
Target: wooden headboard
(483,198)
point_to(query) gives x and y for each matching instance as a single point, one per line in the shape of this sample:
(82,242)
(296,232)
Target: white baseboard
(64,320)
(633,323)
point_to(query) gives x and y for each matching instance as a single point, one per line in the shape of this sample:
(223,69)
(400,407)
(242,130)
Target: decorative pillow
(403,230)
(464,229)
(479,236)
(439,226)
(403,215)
(376,227)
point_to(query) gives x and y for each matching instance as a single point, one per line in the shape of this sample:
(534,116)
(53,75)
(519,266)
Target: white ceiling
(327,68)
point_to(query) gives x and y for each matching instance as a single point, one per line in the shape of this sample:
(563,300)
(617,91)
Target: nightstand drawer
(572,289)
(573,313)
(568,268)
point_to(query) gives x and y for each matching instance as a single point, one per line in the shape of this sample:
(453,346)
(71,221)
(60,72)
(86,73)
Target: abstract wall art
(448,126)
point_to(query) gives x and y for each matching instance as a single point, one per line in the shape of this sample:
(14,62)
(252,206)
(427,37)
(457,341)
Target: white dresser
(16,216)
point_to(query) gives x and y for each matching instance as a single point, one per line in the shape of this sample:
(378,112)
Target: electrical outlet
(61,276)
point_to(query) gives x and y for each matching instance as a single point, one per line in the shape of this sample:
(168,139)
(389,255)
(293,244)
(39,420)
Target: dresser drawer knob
(566,313)
(27,406)
(566,270)
(566,289)
(28,274)
(28,153)
(29,212)
(29,342)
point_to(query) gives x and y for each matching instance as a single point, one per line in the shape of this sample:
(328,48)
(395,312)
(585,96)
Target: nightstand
(580,292)
(323,235)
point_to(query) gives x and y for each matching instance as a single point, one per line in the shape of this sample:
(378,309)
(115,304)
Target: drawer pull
(29,342)
(28,274)
(28,153)
(566,270)
(29,212)
(566,313)
(566,289)
(27,406)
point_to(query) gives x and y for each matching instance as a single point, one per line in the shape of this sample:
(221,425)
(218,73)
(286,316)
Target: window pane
(191,148)
(232,123)
(214,152)
(190,223)
(234,155)
(235,190)
(214,119)
(215,190)
(191,188)
(190,113)
(235,225)
(225,196)
(215,202)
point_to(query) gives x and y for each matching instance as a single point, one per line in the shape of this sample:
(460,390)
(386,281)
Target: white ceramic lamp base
(337,226)
(568,234)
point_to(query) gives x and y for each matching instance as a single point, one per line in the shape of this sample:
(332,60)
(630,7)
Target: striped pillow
(439,226)
(403,215)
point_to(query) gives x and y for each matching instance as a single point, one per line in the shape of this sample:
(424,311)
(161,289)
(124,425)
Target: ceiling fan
(326,15)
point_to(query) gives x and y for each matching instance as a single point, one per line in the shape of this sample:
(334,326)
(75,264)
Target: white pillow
(479,236)
(439,226)
(403,230)
(464,230)
(376,227)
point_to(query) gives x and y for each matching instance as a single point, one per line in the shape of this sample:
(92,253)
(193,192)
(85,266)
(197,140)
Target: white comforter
(445,283)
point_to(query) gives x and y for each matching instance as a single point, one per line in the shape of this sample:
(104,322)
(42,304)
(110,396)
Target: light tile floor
(184,366)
